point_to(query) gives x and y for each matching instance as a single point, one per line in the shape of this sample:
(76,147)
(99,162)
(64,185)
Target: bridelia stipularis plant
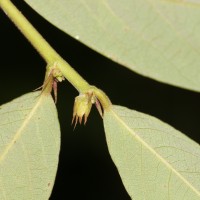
(154,160)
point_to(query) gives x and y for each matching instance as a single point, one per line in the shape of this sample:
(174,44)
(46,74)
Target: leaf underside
(155,161)
(159,39)
(29,147)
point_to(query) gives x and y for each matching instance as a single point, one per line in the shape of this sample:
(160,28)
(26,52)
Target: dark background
(86,170)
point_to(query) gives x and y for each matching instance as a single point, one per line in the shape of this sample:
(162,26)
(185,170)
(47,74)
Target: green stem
(42,46)
(48,53)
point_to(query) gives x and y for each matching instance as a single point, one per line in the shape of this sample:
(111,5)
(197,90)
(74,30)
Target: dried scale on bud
(53,77)
(82,107)
(57,77)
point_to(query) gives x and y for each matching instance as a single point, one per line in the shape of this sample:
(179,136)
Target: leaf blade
(157,39)
(29,147)
(152,157)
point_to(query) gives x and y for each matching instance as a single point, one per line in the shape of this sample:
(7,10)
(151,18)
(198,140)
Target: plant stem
(29,31)
(41,45)
(48,53)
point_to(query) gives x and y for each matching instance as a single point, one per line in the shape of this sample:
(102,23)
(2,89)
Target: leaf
(155,161)
(159,39)
(29,147)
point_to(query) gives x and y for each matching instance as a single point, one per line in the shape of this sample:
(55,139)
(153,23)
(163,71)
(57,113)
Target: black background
(86,170)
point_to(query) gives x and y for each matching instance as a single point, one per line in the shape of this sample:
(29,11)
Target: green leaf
(158,39)
(29,147)
(155,161)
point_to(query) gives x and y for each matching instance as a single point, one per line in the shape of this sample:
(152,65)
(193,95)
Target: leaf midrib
(139,139)
(19,132)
